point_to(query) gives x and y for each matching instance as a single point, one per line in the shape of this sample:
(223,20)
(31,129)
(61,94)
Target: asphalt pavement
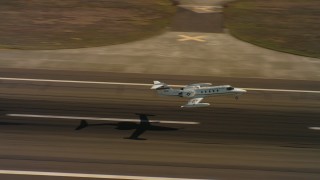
(263,135)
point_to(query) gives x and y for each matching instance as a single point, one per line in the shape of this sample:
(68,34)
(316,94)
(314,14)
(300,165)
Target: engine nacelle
(187,93)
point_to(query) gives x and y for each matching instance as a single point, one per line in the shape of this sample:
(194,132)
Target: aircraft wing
(199,84)
(195,102)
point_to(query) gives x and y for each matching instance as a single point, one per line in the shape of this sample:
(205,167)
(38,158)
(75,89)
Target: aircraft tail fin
(157,85)
(164,90)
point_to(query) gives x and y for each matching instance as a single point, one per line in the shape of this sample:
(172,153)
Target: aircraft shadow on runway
(139,128)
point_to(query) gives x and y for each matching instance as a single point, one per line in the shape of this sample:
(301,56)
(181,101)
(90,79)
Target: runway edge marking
(83,175)
(143,84)
(99,119)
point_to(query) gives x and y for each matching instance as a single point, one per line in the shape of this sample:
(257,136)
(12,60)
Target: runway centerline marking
(99,119)
(83,175)
(143,84)
(315,128)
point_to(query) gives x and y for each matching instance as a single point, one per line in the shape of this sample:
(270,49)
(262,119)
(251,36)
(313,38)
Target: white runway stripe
(99,119)
(71,81)
(281,90)
(82,175)
(315,128)
(142,84)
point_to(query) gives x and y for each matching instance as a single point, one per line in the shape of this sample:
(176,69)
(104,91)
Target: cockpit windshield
(230,88)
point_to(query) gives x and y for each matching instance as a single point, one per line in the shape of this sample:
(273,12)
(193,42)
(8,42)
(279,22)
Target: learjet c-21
(196,92)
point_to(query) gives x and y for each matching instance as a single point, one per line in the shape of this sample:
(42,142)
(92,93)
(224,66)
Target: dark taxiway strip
(263,135)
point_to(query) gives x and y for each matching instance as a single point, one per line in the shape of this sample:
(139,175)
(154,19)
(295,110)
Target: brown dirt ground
(285,25)
(56,24)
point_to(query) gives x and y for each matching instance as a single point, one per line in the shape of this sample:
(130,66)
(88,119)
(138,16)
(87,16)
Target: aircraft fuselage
(210,91)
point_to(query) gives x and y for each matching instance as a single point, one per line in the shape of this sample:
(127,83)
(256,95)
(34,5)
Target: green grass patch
(60,24)
(291,26)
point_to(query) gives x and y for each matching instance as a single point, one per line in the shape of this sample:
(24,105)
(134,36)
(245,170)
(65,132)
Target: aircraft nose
(241,90)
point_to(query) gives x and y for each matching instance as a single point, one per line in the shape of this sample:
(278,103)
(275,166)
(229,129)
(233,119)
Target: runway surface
(263,135)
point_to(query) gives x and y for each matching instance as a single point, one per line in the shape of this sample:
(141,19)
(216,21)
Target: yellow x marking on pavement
(191,38)
(203,9)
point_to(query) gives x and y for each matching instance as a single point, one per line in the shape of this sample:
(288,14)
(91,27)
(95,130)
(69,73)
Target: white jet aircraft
(197,92)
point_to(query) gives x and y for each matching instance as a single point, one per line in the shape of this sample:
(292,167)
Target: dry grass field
(291,26)
(57,24)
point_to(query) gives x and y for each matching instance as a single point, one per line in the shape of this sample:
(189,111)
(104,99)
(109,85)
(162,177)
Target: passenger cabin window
(230,88)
